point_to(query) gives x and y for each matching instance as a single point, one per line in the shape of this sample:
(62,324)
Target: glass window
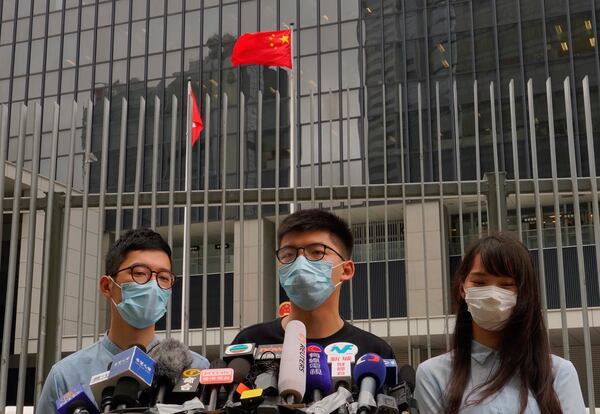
(192,28)
(102,72)
(121,11)
(155,41)
(137,68)
(308,74)
(508,45)
(287,10)
(4,89)
(329,38)
(51,83)
(350,71)
(308,41)
(349,34)
(174,6)
(22,29)
(157,8)
(71,18)
(138,38)
(102,44)
(6,57)
(268,14)
(211,25)
(86,47)
(506,11)
(308,13)
(18,92)
(349,10)
(6,32)
(329,11)
(88,15)
(54,21)
(119,72)
(68,80)
(155,66)
(485,56)
(174,31)
(533,41)
(20,63)
(39,27)
(329,72)
(70,50)
(249,17)
(24,8)
(84,80)
(173,64)
(37,56)
(139,10)
(8,9)
(230,20)
(192,60)
(120,41)
(105,13)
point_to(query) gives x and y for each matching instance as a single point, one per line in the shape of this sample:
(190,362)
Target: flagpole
(292,106)
(185,300)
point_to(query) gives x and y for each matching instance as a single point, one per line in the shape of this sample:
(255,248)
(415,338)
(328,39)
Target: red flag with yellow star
(263,48)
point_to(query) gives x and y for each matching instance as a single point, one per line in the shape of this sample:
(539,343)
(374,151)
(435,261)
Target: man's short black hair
(318,220)
(137,239)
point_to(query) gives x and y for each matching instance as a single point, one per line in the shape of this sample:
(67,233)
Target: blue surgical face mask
(308,284)
(142,305)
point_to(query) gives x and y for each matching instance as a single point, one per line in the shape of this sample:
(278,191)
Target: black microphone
(403,391)
(76,401)
(172,357)
(186,387)
(241,369)
(133,370)
(213,378)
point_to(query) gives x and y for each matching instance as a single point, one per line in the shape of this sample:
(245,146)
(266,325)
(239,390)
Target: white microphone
(292,371)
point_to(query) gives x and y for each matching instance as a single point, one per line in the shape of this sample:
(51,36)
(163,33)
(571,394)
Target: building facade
(414,120)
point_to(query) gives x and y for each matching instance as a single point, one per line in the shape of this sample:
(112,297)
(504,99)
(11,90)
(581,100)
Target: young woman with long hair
(500,360)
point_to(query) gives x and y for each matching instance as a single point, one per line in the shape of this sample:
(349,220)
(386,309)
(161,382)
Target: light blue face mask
(142,305)
(308,284)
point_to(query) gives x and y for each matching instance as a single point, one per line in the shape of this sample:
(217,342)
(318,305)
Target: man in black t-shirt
(314,260)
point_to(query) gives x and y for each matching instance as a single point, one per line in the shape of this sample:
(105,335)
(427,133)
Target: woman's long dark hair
(524,349)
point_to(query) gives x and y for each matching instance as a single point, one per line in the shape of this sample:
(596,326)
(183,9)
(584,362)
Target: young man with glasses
(137,283)
(314,261)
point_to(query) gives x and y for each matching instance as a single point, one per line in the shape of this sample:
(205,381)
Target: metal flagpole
(292,106)
(186,223)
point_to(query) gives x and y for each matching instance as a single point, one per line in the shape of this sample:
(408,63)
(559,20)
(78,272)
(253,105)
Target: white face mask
(490,306)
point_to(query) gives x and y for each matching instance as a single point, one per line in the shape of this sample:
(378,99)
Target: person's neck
(124,335)
(320,323)
(491,339)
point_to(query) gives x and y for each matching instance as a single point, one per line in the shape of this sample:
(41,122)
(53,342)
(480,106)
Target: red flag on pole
(197,124)
(263,48)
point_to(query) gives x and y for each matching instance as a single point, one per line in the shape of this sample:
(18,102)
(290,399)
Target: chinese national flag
(197,124)
(263,48)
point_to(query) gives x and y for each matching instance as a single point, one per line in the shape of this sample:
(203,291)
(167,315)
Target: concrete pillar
(254,296)
(423,223)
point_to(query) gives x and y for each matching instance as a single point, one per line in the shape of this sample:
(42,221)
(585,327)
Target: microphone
(133,370)
(270,351)
(369,373)
(341,375)
(76,401)
(171,357)
(186,387)
(292,371)
(403,391)
(212,378)
(102,390)
(341,352)
(386,404)
(241,368)
(391,372)
(318,376)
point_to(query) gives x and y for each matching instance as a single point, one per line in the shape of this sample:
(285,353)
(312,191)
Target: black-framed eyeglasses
(141,274)
(312,252)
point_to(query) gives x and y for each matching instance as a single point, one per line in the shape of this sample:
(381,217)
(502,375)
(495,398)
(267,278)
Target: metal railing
(248,217)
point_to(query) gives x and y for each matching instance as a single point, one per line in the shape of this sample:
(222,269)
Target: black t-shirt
(272,333)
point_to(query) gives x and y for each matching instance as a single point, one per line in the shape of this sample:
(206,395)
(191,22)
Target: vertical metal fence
(59,231)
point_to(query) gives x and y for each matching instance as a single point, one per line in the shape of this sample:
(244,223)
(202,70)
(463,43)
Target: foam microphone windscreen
(318,376)
(407,374)
(217,363)
(370,365)
(292,370)
(171,357)
(241,368)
